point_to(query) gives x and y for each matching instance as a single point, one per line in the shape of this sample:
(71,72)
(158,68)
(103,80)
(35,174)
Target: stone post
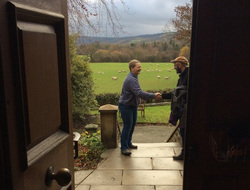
(108,115)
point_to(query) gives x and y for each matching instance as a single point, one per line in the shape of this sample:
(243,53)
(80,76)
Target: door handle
(63,176)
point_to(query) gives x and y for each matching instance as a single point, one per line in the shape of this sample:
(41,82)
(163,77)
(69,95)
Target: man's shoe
(133,146)
(180,157)
(126,152)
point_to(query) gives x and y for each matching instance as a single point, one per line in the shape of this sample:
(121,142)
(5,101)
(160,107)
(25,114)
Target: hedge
(113,98)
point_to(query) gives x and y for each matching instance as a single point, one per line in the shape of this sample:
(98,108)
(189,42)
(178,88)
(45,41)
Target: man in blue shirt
(128,103)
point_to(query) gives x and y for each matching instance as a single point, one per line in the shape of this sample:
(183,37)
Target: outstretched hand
(158,96)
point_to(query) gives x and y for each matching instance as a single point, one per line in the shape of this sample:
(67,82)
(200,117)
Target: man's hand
(158,96)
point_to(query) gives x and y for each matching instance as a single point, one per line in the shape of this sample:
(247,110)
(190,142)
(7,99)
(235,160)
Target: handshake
(158,96)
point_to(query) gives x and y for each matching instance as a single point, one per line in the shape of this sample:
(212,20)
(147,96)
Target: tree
(83,97)
(116,56)
(89,49)
(101,55)
(185,51)
(165,46)
(183,23)
(86,16)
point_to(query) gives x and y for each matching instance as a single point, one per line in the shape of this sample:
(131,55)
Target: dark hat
(180,59)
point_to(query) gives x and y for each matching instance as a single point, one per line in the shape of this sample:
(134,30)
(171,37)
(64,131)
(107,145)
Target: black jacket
(182,81)
(178,100)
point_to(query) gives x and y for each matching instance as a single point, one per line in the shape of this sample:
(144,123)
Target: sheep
(158,76)
(114,78)
(166,77)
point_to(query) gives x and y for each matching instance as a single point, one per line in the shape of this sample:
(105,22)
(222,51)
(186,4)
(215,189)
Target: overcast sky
(146,16)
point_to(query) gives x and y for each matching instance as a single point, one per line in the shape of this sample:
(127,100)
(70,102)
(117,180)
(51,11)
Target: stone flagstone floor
(150,167)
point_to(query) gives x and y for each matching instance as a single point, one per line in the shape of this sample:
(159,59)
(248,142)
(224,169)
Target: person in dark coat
(179,99)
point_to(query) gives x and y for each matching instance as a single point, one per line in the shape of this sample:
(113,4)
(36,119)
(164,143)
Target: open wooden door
(218,130)
(36,135)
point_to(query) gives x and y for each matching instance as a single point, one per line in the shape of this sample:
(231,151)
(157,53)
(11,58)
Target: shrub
(113,98)
(108,98)
(91,152)
(82,83)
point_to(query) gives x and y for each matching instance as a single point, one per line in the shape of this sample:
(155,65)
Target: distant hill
(125,40)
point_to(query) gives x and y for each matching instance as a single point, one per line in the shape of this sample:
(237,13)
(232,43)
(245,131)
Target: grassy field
(154,115)
(103,73)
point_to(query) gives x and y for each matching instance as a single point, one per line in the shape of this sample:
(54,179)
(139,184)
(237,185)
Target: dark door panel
(218,129)
(38,108)
(41,83)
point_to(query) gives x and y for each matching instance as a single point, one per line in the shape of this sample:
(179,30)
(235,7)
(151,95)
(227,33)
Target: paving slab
(156,145)
(106,177)
(121,187)
(126,163)
(167,164)
(81,175)
(151,177)
(152,133)
(170,187)
(82,187)
(148,150)
(153,152)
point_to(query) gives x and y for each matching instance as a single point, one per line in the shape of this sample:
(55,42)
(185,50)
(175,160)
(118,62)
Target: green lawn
(103,73)
(154,115)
